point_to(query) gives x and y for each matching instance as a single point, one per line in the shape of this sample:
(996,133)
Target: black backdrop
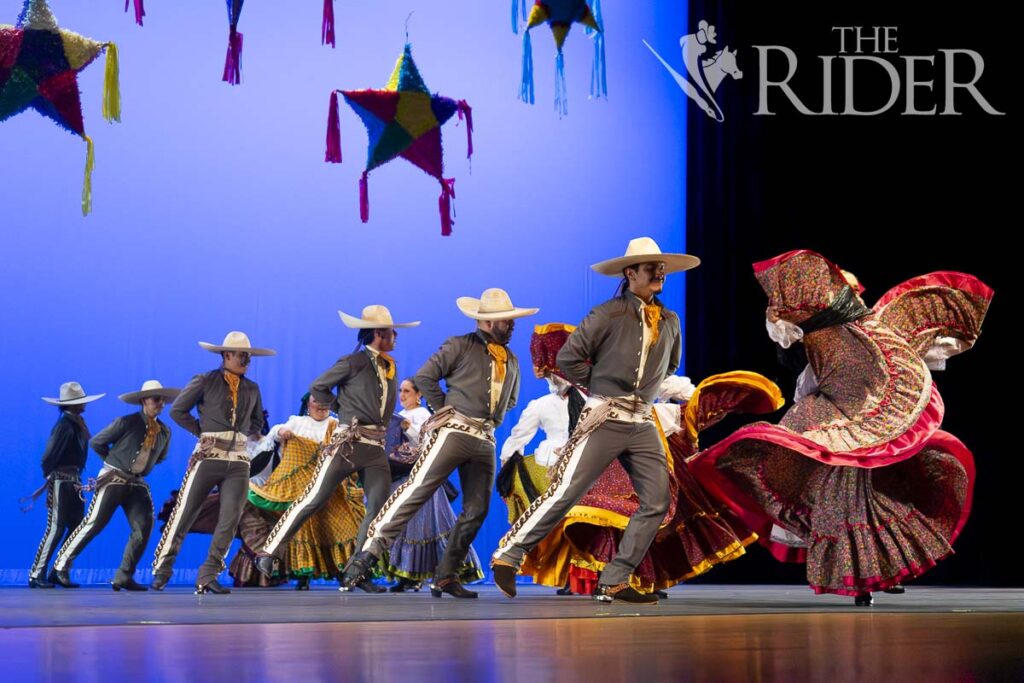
(887,197)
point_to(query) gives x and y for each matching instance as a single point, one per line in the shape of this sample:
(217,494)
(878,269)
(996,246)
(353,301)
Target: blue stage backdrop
(214,211)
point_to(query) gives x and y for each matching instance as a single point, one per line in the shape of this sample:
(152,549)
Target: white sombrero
(646,250)
(237,341)
(149,389)
(72,394)
(373,317)
(493,304)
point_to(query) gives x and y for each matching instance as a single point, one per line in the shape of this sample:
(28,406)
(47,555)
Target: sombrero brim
(73,401)
(137,396)
(674,263)
(470,308)
(360,324)
(214,348)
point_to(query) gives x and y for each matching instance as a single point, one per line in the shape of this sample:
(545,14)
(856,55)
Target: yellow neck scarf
(500,355)
(233,381)
(152,429)
(388,363)
(652,315)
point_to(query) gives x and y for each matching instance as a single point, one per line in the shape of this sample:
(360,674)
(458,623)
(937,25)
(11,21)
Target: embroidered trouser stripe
(638,447)
(411,494)
(445,451)
(177,526)
(101,509)
(64,511)
(560,479)
(286,526)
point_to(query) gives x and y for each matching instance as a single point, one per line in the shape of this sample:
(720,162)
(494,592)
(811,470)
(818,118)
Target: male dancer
(130,447)
(63,460)
(482,379)
(620,353)
(230,413)
(366,393)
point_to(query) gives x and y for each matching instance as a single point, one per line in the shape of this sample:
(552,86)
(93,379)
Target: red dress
(860,469)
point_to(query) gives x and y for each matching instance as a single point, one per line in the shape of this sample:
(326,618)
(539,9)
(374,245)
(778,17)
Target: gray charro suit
(121,484)
(603,355)
(219,460)
(360,380)
(459,436)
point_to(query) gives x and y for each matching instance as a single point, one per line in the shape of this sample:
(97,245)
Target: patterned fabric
(859,470)
(545,342)
(325,542)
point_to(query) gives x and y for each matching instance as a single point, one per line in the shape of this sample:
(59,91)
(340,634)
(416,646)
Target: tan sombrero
(149,389)
(237,341)
(72,394)
(646,250)
(373,317)
(493,304)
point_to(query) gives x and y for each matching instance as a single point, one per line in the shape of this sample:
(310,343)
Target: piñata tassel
(444,205)
(465,111)
(595,11)
(561,95)
(90,163)
(333,153)
(233,60)
(112,86)
(598,74)
(515,15)
(364,199)
(526,86)
(327,29)
(139,10)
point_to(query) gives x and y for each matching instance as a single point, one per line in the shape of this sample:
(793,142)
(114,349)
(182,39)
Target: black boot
(128,584)
(358,570)
(564,590)
(624,592)
(159,581)
(61,578)
(212,587)
(368,586)
(302,583)
(405,584)
(863,600)
(38,582)
(452,587)
(505,578)
(266,565)
(895,590)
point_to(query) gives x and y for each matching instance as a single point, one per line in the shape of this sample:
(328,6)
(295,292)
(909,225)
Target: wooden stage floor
(701,633)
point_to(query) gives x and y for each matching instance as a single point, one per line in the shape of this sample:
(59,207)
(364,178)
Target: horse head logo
(705,73)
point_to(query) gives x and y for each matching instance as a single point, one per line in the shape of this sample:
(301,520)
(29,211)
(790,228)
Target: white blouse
(416,417)
(302,426)
(550,413)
